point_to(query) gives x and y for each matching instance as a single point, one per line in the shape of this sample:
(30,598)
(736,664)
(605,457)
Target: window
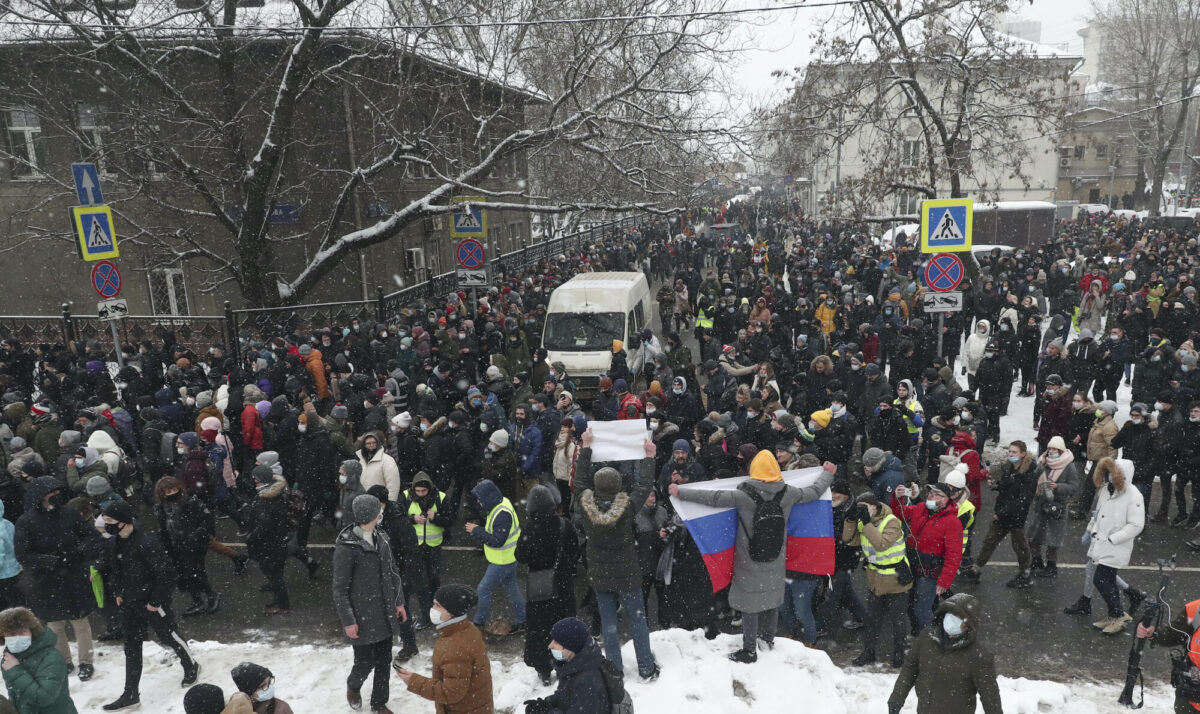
(630,326)
(1102,151)
(1079,152)
(25,143)
(911,153)
(1064,152)
(640,313)
(93,126)
(168,292)
(909,203)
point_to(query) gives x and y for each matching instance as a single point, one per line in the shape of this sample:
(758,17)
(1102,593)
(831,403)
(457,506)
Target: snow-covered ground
(787,680)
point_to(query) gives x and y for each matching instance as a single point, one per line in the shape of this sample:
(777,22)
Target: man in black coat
(143,582)
(315,473)
(1016,483)
(583,687)
(55,545)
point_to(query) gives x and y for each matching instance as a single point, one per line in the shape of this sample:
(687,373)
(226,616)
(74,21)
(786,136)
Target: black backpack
(769,530)
(614,683)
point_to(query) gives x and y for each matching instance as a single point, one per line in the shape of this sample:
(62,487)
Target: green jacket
(77,478)
(38,685)
(949,673)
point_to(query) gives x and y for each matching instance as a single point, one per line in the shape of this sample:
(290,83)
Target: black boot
(1136,598)
(1050,571)
(191,671)
(864,658)
(313,565)
(1037,565)
(1082,606)
(214,603)
(898,659)
(128,700)
(744,656)
(199,605)
(239,564)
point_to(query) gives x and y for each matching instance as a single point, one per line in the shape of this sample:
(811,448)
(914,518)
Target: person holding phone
(461,682)
(35,673)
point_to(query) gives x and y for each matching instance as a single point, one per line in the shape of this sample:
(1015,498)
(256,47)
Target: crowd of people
(784,345)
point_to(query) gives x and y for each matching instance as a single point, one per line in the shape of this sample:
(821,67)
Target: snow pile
(694,671)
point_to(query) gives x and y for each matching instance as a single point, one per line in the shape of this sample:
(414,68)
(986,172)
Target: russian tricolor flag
(810,545)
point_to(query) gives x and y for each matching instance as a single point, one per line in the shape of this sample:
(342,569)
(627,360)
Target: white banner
(619,440)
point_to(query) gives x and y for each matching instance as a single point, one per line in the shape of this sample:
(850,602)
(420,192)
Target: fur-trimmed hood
(435,427)
(275,489)
(1109,468)
(604,513)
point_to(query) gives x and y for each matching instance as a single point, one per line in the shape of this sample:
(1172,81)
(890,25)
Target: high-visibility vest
(507,553)
(886,561)
(966,508)
(704,317)
(913,406)
(427,533)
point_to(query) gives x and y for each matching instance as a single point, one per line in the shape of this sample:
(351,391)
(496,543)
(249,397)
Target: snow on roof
(1016,206)
(163,20)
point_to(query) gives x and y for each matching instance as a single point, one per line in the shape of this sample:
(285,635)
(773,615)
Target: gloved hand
(537,706)
(864,514)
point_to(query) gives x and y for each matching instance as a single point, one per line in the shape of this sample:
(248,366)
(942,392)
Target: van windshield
(583,332)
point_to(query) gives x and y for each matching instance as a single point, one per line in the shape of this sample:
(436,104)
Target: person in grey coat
(1058,477)
(605,513)
(350,478)
(369,599)
(758,587)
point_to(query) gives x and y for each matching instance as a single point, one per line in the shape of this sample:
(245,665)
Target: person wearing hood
(974,349)
(314,363)
(759,586)
(107,450)
(499,534)
(994,378)
(267,542)
(378,467)
(887,430)
(143,583)
(548,546)
(606,513)
(525,439)
(948,666)
(682,407)
(1015,483)
(429,520)
(256,692)
(1058,478)
(871,526)
(350,484)
(68,442)
(369,599)
(584,685)
(186,526)
(884,472)
(35,674)
(1099,446)
(56,545)
(83,464)
(1084,357)
(205,408)
(20,454)
(502,467)
(461,680)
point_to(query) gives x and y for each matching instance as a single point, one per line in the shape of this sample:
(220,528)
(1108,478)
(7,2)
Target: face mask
(112,528)
(266,695)
(837,409)
(751,415)
(989,355)
(1194,420)
(1158,406)
(654,425)
(1014,459)
(677,390)
(651,410)
(1099,413)
(931,504)
(812,425)
(1004,328)
(17,643)
(483,428)
(190,402)
(1135,420)
(1077,405)
(435,615)
(855,367)
(302,428)
(181,450)
(345,331)
(952,624)
(965,416)
(476,403)
(366,404)
(558,655)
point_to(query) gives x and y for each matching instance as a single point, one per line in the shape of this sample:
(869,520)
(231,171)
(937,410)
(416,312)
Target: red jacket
(626,401)
(938,534)
(252,436)
(1086,282)
(963,446)
(870,348)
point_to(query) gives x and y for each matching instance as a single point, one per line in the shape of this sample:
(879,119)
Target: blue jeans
(924,598)
(798,608)
(841,592)
(635,609)
(504,576)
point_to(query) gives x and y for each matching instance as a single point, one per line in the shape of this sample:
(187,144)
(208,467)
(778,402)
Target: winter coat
(758,586)
(528,447)
(316,369)
(1099,441)
(107,450)
(380,469)
(316,465)
(888,431)
(887,478)
(976,345)
(18,460)
(581,686)
(874,392)
(9,567)
(852,530)
(608,523)
(252,428)
(949,673)
(56,548)
(141,572)
(268,537)
(186,526)
(461,682)
(1042,529)
(1120,513)
(38,685)
(366,585)
(1015,487)
(1135,443)
(1056,417)
(937,536)
(241,703)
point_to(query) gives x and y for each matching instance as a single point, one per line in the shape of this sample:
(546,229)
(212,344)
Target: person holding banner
(763,505)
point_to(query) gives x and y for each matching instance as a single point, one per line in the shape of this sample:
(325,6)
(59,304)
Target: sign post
(97,241)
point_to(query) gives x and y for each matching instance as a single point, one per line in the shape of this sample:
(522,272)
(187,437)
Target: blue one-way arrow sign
(87,184)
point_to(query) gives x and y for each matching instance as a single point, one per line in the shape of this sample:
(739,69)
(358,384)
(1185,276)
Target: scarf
(1055,468)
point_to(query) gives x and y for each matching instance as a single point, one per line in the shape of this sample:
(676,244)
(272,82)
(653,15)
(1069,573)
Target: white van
(586,314)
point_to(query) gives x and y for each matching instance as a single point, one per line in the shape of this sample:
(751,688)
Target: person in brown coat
(461,682)
(315,364)
(872,525)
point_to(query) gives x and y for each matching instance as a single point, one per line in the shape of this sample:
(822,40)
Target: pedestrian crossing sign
(946,225)
(470,220)
(95,232)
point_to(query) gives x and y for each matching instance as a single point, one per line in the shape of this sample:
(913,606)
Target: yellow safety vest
(427,533)
(507,553)
(966,507)
(703,317)
(883,562)
(912,405)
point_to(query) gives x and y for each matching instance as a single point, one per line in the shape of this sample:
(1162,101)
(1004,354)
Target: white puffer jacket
(1120,513)
(976,345)
(107,449)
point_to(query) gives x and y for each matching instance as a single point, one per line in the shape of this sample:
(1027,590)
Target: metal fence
(199,332)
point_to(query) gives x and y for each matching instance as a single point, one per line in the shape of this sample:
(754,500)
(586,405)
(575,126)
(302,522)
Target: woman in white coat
(1120,517)
(973,350)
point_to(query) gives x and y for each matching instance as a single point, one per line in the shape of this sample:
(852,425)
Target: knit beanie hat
(352,468)
(366,508)
(873,458)
(97,486)
(119,511)
(455,598)
(248,677)
(681,445)
(571,633)
(204,699)
(499,437)
(262,474)
(607,482)
(339,411)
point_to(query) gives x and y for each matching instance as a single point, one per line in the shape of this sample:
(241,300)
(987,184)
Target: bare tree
(212,114)
(1153,52)
(933,96)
